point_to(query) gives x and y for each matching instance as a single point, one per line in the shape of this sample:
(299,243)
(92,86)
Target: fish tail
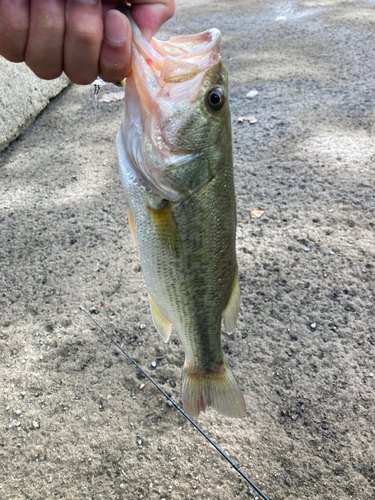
(216,388)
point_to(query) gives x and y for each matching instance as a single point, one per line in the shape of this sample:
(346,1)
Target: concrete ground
(74,423)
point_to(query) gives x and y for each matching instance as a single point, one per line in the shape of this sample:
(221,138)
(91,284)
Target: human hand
(83,38)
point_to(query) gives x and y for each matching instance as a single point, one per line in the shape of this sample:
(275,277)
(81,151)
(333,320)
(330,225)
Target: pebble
(307,249)
(250,491)
(74,177)
(170,404)
(331,253)
(371,374)
(325,427)
(17,412)
(18,424)
(251,119)
(313,325)
(122,486)
(142,326)
(139,442)
(18,445)
(252,93)
(153,364)
(364,270)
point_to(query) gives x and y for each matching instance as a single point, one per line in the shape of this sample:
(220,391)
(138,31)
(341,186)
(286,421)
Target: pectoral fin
(163,326)
(166,226)
(230,312)
(132,226)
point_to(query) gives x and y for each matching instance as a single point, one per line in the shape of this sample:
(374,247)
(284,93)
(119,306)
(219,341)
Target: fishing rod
(224,455)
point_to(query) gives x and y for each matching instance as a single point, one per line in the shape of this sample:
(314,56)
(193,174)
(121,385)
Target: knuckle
(86,35)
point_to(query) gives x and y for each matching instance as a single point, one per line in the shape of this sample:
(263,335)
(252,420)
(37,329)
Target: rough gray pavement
(22,97)
(74,422)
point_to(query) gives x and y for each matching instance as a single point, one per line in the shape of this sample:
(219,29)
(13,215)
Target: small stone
(371,374)
(364,270)
(139,442)
(18,424)
(142,326)
(330,210)
(307,249)
(288,481)
(169,403)
(250,491)
(331,253)
(251,119)
(74,177)
(17,412)
(256,213)
(36,425)
(153,364)
(325,427)
(313,325)
(122,486)
(252,93)
(18,445)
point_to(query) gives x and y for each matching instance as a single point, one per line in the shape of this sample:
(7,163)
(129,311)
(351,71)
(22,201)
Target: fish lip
(179,59)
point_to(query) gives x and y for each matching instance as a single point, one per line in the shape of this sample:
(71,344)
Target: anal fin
(163,326)
(230,312)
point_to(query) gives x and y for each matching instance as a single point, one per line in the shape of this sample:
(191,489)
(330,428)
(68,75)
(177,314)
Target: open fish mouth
(168,80)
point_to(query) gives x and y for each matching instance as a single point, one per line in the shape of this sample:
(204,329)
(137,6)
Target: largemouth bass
(175,157)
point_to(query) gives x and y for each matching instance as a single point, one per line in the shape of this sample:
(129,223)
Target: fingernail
(115,27)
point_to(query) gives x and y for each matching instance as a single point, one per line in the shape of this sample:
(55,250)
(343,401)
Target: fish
(174,150)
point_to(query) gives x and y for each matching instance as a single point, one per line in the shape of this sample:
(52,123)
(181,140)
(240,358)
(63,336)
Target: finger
(115,52)
(150,15)
(44,50)
(83,39)
(14,26)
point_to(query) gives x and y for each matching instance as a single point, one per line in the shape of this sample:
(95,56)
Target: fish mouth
(177,60)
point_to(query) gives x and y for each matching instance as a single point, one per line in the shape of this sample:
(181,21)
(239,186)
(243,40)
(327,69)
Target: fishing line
(179,409)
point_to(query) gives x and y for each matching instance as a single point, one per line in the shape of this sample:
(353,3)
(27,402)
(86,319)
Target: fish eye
(215,98)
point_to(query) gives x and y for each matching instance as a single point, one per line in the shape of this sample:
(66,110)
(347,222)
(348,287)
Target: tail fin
(217,389)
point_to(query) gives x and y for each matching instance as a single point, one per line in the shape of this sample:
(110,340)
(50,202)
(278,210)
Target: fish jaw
(167,121)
